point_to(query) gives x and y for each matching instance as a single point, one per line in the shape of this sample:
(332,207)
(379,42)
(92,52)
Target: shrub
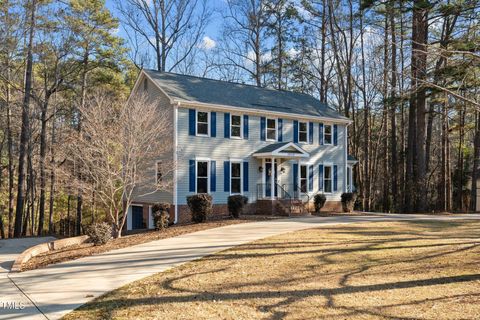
(161,215)
(200,206)
(100,233)
(348,201)
(236,204)
(319,201)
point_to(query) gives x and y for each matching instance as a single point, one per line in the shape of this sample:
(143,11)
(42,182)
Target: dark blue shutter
(310,132)
(213,176)
(295,131)
(191,176)
(320,133)
(335,134)
(226,176)
(245,127)
(280,130)
(226,130)
(310,178)
(213,124)
(335,178)
(191,121)
(295,176)
(320,177)
(262,128)
(245,176)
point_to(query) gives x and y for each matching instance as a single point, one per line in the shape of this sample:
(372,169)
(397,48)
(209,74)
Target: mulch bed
(88,249)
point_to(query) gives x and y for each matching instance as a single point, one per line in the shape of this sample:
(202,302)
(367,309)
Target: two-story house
(274,147)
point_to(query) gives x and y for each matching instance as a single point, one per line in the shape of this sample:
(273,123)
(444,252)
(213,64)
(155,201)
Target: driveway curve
(58,289)
(13,303)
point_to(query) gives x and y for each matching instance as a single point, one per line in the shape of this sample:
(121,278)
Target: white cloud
(208,43)
(292,52)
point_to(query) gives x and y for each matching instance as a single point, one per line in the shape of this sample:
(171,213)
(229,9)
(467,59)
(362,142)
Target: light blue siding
(222,149)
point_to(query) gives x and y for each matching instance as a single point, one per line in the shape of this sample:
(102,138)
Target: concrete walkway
(12,300)
(58,289)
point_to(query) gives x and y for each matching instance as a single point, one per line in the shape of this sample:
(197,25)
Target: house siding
(147,193)
(222,149)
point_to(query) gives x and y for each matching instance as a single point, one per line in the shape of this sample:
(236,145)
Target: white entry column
(272,179)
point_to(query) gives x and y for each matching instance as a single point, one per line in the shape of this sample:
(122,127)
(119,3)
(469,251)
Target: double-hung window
(236,178)
(158,172)
(202,176)
(303,132)
(272,129)
(327,178)
(327,134)
(236,126)
(303,178)
(202,123)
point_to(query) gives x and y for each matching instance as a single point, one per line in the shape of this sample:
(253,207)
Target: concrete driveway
(58,289)
(13,302)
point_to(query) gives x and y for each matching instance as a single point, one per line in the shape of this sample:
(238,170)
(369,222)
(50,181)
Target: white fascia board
(261,112)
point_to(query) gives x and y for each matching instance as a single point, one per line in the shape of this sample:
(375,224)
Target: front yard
(408,270)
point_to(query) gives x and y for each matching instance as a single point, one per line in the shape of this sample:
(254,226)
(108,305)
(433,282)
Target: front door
(137,217)
(268,179)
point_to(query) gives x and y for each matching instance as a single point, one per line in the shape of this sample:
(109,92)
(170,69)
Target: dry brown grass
(87,249)
(402,270)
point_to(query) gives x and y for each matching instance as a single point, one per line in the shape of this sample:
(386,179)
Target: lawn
(407,270)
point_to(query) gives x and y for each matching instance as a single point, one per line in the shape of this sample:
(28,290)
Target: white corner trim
(175,162)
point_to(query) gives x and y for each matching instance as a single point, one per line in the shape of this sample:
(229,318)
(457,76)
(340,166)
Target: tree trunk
(11,166)
(476,164)
(393,109)
(419,71)
(52,177)
(43,178)
(25,131)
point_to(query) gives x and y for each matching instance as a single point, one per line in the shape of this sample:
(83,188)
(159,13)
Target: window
(202,123)
(327,179)
(145,85)
(158,172)
(236,126)
(327,134)
(303,132)
(272,129)
(303,179)
(236,178)
(202,176)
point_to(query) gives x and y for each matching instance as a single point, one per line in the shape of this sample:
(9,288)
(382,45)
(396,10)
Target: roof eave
(260,111)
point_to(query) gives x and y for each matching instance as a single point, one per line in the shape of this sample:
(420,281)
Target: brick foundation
(332,206)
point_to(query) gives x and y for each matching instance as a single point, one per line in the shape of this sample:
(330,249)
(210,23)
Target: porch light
(260,169)
(282,170)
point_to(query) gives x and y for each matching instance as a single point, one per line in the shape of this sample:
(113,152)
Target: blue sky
(212,29)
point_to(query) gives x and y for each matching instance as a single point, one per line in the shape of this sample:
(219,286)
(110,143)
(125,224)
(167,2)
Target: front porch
(284,186)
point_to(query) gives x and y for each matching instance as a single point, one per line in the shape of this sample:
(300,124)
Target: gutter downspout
(175,172)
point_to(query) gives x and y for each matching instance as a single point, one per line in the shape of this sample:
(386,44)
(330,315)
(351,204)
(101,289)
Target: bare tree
(119,144)
(166,26)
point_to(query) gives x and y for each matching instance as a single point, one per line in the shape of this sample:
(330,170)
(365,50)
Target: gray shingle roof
(272,147)
(195,89)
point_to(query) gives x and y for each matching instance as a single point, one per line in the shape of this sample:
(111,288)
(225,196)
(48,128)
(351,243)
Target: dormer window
(272,129)
(303,132)
(202,123)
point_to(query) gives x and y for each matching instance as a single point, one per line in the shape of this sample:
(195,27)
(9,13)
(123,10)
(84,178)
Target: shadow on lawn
(326,253)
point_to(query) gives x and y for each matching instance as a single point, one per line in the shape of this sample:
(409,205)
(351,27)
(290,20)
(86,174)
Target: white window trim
(308,132)
(307,165)
(197,160)
(331,179)
(266,129)
(241,177)
(156,171)
(241,126)
(208,123)
(331,134)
